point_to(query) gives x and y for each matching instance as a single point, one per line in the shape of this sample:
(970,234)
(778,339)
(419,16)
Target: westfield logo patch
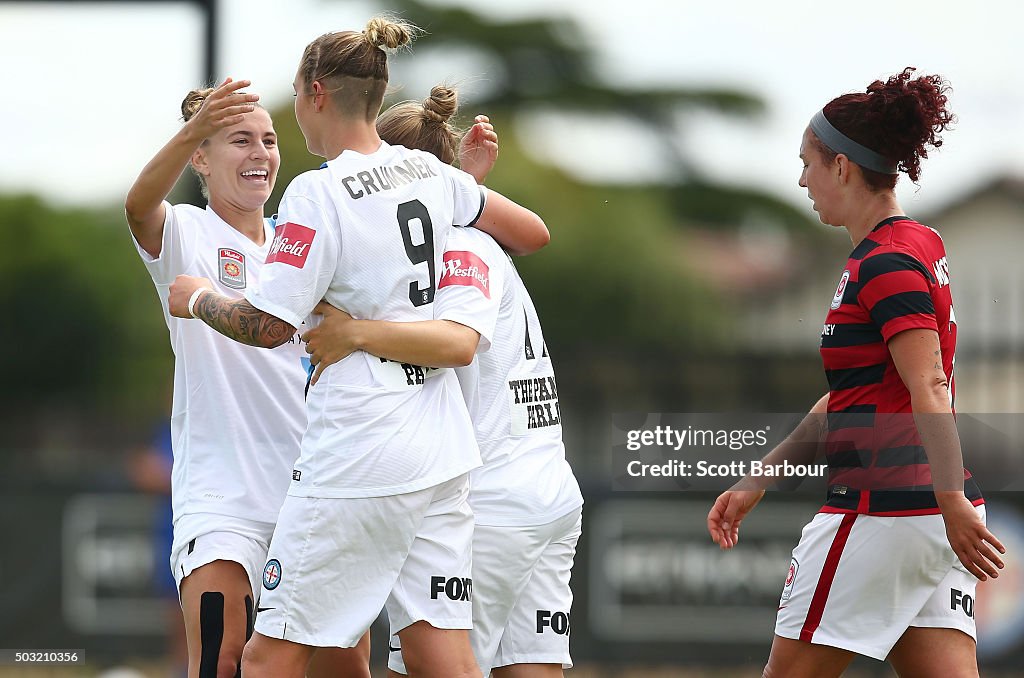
(465,268)
(291,245)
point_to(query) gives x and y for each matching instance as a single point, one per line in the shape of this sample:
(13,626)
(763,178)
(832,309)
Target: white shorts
(201,538)
(334,563)
(857,582)
(521,595)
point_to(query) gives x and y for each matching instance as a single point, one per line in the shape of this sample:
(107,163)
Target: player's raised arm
(143,206)
(519,230)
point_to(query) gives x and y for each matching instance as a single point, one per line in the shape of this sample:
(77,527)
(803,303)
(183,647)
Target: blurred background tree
(91,344)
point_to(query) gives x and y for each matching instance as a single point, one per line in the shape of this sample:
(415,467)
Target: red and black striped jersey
(896,279)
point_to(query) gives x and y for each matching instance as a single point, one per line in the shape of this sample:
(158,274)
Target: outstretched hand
(225,106)
(728,512)
(478,150)
(331,340)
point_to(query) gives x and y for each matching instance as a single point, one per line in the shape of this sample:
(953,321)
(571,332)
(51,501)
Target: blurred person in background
(377,510)
(237,413)
(526,502)
(150,471)
(888,567)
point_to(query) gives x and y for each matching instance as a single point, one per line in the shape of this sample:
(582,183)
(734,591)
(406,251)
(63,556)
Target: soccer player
(232,462)
(888,567)
(525,498)
(377,509)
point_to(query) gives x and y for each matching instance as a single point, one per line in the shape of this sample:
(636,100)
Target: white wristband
(194,298)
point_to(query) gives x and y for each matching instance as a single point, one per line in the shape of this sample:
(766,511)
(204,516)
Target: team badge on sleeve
(787,590)
(272,574)
(291,244)
(231,267)
(465,268)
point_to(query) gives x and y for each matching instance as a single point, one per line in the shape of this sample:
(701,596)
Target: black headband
(840,143)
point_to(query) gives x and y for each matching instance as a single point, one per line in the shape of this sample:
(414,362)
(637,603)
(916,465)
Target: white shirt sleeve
(302,260)
(471,283)
(470,197)
(178,245)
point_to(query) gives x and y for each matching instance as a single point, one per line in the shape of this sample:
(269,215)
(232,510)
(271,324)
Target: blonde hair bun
(442,103)
(384,32)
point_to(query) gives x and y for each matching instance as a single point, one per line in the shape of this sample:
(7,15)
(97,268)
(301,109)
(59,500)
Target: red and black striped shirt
(896,279)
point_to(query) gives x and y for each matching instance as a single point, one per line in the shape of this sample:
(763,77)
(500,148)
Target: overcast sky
(90,92)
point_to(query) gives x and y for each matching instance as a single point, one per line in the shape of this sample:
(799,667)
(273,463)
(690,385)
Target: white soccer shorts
(334,563)
(201,538)
(521,595)
(857,582)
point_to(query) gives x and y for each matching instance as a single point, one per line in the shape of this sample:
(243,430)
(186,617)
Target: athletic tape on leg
(250,619)
(249,623)
(211,632)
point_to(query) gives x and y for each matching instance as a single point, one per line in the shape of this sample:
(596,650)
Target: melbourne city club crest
(272,574)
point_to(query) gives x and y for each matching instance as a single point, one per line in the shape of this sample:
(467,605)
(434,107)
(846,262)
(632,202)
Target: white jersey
(237,415)
(510,389)
(366,233)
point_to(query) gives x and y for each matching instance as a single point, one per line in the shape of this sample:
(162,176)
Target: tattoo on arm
(239,320)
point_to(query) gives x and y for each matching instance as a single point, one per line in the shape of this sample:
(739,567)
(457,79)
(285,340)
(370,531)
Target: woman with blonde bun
(377,513)
(232,463)
(526,502)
